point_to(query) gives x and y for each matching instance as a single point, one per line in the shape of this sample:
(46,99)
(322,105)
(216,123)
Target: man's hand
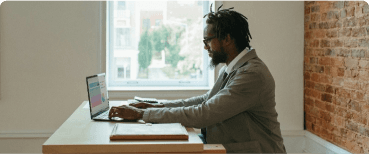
(126,112)
(145,105)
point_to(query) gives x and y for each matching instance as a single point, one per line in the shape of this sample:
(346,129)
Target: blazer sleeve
(241,94)
(186,102)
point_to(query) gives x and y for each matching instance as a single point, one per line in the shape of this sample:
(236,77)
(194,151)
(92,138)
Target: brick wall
(336,72)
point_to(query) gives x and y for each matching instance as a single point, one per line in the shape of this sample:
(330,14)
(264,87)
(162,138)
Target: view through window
(157,43)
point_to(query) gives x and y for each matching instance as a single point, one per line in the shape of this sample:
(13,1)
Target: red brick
(324,43)
(352,84)
(320,105)
(363,64)
(354,105)
(316,94)
(338,81)
(327,70)
(330,89)
(306,76)
(315,77)
(351,63)
(325,61)
(325,79)
(340,72)
(364,75)
(319,34)
(357,95)
(338,62)
(336,43)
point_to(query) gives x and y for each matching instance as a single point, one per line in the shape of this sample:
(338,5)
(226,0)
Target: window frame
(205,83)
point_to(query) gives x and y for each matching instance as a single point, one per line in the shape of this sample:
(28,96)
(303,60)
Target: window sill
(170,93)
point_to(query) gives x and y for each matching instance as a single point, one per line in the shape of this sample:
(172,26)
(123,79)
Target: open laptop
(98,98)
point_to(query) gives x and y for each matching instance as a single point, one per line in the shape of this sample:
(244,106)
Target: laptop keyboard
(104,115)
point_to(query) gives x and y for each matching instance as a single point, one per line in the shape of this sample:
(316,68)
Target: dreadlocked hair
(228,21)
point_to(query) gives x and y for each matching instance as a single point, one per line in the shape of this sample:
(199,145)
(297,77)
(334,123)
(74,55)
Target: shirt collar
(229,68)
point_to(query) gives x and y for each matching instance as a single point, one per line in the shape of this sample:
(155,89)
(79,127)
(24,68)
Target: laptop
(99,100)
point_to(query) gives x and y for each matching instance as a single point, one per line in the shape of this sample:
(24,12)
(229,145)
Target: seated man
(239,111)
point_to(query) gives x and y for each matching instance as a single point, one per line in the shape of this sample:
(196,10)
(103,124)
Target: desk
(80,134)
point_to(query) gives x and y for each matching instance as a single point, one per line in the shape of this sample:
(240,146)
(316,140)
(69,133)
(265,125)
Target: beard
(218,57)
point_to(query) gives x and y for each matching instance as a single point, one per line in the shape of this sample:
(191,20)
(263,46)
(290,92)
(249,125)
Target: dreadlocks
(227,21)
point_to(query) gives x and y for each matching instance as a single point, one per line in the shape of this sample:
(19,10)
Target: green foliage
(144,48)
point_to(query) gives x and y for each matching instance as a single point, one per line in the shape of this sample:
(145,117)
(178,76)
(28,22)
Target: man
(239,111)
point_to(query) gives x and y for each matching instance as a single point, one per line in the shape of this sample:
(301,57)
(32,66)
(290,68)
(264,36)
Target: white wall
(277,30)
(48,48)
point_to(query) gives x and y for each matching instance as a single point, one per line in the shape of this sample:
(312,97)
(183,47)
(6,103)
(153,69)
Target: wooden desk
(79,134)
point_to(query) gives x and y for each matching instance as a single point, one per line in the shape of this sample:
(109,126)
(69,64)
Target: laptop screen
(98,95)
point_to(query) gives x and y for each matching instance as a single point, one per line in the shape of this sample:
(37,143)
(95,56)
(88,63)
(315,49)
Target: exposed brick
(319,87)
(332,34)
(343,14)
(325,79)
(343,92)
(320,104)
(358,32)
(327,70)
(306,76)
(327,97)
(337,43)
(309,84)
(330,89)
(351,43)
(315,17)
(329,107)
(318,69)
(315,77)
(332,15)
(343,52)
(324,17)
(324,43)
(323,25)
(325,61)
(314,43)
(313,25)
(352,126)
(358,53)
(354,73)
(315,8)
(313,60)
(354,105)
(307,10)
(356,95)
(352,84)
(345,32)
(338,81)
(364,43)
(319,33)
(340,72)
(351,63)
(366,9)
(364,75)
(349,22)
(350,12)
(339,4)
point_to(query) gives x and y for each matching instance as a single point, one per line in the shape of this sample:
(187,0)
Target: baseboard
(315,144)
(25,134)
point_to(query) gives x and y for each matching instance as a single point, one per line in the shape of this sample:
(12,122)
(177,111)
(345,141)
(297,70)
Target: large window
(157,43)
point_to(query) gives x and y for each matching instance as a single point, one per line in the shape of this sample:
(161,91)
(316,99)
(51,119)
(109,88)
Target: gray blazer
(238,112)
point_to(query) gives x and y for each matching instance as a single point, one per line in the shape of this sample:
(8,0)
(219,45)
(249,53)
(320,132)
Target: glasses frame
(208,39)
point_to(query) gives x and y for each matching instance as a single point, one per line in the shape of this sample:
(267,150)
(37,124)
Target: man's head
(225,29)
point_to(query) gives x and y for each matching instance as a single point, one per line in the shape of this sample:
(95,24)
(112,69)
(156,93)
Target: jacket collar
(250,55)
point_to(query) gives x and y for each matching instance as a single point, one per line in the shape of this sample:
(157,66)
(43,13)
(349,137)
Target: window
(157,43)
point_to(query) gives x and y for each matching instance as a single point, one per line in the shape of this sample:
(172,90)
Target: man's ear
(228,40)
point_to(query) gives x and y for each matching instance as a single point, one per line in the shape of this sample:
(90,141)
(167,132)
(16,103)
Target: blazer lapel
(220,83)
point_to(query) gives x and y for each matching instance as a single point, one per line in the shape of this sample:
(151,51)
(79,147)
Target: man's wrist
(141,113)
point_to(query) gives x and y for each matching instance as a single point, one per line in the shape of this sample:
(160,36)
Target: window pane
(157,43)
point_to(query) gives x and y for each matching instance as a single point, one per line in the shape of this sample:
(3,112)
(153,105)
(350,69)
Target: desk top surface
(81,134)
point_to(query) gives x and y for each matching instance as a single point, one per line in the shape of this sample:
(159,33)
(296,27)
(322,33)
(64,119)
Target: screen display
(98,93)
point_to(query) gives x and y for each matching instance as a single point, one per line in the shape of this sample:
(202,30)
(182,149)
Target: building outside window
(157,43)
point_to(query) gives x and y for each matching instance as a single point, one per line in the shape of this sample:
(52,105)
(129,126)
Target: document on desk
(168,131)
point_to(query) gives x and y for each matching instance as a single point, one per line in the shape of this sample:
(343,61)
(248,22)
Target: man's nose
(206,47)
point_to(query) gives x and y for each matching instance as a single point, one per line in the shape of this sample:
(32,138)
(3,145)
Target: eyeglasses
(207,40)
